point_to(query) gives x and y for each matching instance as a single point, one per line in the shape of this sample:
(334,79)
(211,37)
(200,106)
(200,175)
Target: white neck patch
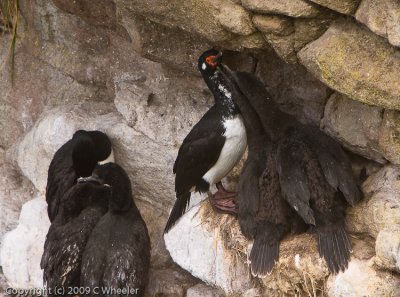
(204,66)
(110,159)
(225,91)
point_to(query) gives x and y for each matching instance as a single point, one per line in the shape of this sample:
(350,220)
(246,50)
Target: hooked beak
(90,179)
(217,58)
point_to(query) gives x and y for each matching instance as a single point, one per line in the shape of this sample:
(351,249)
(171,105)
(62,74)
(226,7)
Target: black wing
(66,239)
(293,177)
(198,153)
(335,164)
(117,256)
(60,178)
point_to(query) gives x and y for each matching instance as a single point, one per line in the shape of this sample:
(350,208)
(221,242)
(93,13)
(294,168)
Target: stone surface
(15,190)
(200,17)
(295,8)
(356,62)
(283,46)
(388,248)
(355,125)
(200,250)
(360,279)
(379,209)
(307,30)
(168,282)
(296,90)
(274,24)
(202,290)
(254,41)
(381,17)
(389,141)
(236,19)
(22,248)
(342,6)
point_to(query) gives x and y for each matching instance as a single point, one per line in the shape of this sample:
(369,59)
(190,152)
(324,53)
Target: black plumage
(202,147)
(74,159)
(305,173)
(117,254)
(79,211)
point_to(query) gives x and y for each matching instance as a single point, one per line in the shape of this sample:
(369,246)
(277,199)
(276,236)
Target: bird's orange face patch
(212,61)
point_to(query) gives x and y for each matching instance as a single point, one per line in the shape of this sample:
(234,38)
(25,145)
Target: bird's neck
(121,201)
(222,93)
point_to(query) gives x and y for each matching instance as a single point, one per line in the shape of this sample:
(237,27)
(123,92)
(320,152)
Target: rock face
(355,125)
(379,210)
(382,17)
(342,6)
(129,68)
(22,248)
(201,251)
(360,279)
(335,59)
(296,8)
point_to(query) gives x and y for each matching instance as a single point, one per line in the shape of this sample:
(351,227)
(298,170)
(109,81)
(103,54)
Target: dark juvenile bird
(79,211)
(117,254)
(212,148)
(294,165)
(76,158)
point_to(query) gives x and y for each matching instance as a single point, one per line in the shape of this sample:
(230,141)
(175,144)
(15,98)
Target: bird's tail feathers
(181,203)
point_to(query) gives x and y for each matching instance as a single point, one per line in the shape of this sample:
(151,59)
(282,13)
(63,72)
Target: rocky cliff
(128,67)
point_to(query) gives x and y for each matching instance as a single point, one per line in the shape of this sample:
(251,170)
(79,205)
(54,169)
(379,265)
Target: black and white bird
(117,254)
(212,148)
(79,210)
(76,158)
(295,174)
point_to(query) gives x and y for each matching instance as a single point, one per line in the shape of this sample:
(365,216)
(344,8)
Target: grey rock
(236,19)
(296,8)
(173,47)
(388,249)
(15,190)
(389,143)
(169,282)
(342,6)
(307,30)
(360,279)
(202,290)
(274,24)
(22,248)
(283,46)
(379,209)
(198,17)
(296,90)
(355,125)
(381,17)
(355,62)
(254,41)
(196,244)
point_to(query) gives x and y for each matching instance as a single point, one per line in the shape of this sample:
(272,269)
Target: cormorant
(76,158)
(289,164)
(117,254)
(212,148)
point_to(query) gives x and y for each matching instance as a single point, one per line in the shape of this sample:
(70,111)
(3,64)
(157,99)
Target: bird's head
(209,61)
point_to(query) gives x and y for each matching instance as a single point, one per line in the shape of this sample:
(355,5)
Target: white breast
(232,151)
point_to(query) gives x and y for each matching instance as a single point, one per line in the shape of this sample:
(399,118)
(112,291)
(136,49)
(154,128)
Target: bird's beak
(216,60)
(90,179)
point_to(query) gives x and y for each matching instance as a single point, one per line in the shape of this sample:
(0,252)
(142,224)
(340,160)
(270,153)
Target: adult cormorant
(212,148)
